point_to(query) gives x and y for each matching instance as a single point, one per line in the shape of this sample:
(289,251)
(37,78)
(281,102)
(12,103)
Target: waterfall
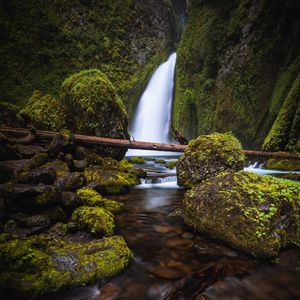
(153,114)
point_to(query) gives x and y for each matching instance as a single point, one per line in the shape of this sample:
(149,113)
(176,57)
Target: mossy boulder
(44,112)
(93,107)
(256,214)
(207,156)
(94,219)
(283,164)
(42,264)
(110,181)
(90,197)
(70,181)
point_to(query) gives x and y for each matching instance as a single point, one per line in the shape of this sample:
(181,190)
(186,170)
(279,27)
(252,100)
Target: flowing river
(171,261)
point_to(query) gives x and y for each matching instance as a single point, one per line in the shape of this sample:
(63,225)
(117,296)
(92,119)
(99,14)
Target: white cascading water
(153,115)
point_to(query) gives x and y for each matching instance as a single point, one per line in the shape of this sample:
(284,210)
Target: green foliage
(283,164)
(43,44)
(234,71)
(278,136)
(44,112)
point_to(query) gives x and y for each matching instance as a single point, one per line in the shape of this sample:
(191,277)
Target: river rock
(83,153)
(167,273)
(71,200)
(207,156)
(28,151)
(8,153)
(108,292)
(26,196)
(46,264)
(64,142)
(24,225)
(246,211)
(70,181)
(94,219)
(110,181)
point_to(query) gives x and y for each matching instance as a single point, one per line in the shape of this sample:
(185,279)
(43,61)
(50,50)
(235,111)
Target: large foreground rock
(256,214)
(207,156)
(41,264)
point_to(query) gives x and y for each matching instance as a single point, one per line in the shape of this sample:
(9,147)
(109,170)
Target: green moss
(225,79)
(95,219)
(111,181)
(90,197)
(253,213)
(42,264)
(44,112)
(137,160)
(93,105)
(43,44)
(278,136)
(283,164)
(171,164)
(207,156)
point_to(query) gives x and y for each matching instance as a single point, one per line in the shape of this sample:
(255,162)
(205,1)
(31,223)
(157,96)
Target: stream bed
(171,261)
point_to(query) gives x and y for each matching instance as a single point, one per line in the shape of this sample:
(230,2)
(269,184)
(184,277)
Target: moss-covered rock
(110,181)
(93,107)
(70,181)
(44,112)
(42,264)
(91,197)
(136,160)
(94,219)
(256,214)
(283,164)
(171,164)
(207,156)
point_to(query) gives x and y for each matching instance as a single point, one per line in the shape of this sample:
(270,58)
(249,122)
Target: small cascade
(153,114)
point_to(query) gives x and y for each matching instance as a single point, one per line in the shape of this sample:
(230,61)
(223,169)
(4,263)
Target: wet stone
(108,292)
(28,151)
(167,273)
(174,243)
(187,235)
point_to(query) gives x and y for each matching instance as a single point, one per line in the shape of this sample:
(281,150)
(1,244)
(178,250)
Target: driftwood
(26,140)
(100,141)
(179,137)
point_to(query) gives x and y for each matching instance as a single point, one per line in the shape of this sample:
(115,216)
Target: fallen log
(101,141)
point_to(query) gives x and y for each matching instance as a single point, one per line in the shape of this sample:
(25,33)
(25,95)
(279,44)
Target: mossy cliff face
(43,43)
(237,65)
(207,156)
(41,263)
(256,214)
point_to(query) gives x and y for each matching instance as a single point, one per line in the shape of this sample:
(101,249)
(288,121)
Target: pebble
(187,235)
(108,292)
